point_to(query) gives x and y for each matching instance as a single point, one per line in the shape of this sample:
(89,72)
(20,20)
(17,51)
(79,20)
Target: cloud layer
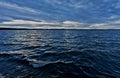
(67,14)
(40,24)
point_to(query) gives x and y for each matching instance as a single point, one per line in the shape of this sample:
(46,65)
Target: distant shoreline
(51,29)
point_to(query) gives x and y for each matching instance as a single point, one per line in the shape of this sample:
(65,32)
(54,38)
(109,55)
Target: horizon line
(54,29)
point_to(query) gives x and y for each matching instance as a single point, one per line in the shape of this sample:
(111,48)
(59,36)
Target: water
(60,53)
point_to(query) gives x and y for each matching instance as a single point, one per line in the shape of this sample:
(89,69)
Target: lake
(60,53)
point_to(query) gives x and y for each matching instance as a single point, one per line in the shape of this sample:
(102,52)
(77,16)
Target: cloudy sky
(60,14)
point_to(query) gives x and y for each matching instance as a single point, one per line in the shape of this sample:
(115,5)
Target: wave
(57,68)
(2,76)
(81,55)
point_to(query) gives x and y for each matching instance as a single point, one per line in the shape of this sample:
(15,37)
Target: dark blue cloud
(86,11)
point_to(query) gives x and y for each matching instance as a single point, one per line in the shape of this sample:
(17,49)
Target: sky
(60,14)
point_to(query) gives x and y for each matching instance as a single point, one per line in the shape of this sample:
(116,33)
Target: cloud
(41,24)
(17,7)
(107,25)
(77,14)
(13,22)
(117,5)
(72,23)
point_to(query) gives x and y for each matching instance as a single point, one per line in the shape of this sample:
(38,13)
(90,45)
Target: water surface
(60,53)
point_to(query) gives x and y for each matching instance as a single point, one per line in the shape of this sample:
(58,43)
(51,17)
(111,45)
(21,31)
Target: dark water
(60,53)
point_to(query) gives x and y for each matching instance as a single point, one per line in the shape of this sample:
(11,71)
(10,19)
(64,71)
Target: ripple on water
(51,54)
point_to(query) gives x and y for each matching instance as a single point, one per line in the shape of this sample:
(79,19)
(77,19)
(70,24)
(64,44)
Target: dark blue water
(60,53)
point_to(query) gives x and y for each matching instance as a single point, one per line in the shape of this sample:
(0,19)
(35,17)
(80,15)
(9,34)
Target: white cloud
(42,24)
(17,7)
(117,22)
(108,25)
(114,17)
(72,23)
(97,26)
(77,5)
(28,22)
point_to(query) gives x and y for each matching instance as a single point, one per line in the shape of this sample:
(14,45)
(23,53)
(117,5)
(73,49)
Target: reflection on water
(60,53)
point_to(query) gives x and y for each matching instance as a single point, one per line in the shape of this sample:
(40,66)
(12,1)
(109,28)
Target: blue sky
(60,14)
